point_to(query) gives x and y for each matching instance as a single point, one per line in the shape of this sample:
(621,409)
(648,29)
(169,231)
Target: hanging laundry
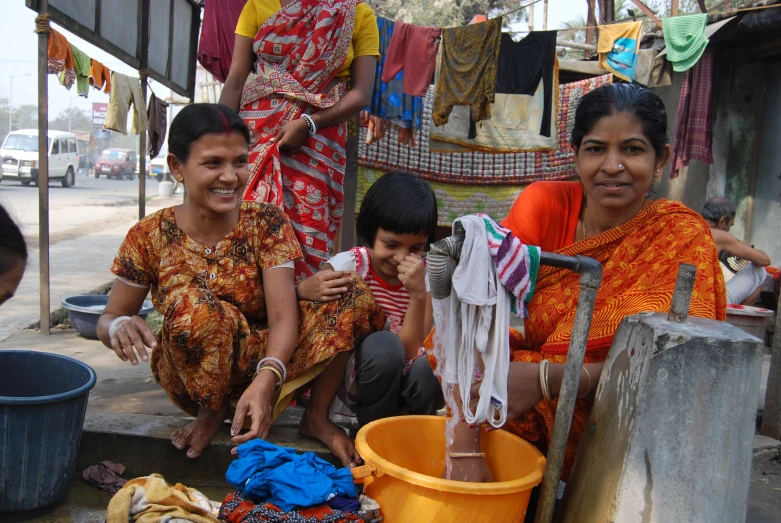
(388,98)
(125,91)
(151,499)
(477,316)
(59,49)
(617,48)
(100,76)
(278,475)
(685,39)
(652,70)
(516,264)
(240,509)
(106,476)
(82,65)
(468,70)
(693,127)
(523,65)
(433,160)
(68,74)
(413,50)
(158,122)
(218,35)
(514,127)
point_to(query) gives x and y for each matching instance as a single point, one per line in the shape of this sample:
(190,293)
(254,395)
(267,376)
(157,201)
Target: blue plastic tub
(84,312)
(43,400)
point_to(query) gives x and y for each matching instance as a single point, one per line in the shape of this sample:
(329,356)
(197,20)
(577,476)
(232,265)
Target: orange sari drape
(640,261)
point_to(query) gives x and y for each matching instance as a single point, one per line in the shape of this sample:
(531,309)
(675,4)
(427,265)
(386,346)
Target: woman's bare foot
(198,434)
(321,428)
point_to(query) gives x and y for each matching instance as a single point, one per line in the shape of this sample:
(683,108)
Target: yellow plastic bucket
(405,459)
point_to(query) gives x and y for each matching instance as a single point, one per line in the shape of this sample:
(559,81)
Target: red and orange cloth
(61,58)
(100,76)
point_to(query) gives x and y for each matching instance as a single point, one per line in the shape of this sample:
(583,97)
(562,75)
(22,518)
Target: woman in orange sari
(304,52)
(621,146)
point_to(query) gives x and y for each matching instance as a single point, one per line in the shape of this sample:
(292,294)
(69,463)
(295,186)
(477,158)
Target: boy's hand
(325,286)
(412,274)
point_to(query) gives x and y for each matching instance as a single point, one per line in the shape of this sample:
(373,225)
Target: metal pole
(70,103)
(545,15)
(43,171)
(590,280)
(142,159)
(10,103)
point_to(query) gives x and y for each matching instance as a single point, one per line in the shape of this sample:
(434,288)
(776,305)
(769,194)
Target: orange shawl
(640,261)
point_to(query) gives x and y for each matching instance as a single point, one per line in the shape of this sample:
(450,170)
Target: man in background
(744,286)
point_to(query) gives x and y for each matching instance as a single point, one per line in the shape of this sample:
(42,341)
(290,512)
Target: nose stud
(620,165)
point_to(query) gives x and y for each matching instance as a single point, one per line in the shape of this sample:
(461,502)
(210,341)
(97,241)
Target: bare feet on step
(321,428)
(198,434)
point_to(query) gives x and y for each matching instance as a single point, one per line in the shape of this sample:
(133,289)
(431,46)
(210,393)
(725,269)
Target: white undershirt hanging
(478,321)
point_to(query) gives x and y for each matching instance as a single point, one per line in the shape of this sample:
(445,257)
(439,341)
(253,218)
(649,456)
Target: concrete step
(765,449)
(142,443)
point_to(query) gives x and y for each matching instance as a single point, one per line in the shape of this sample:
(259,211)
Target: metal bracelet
(278,384)
(466,454)
(544,379)
(282,368)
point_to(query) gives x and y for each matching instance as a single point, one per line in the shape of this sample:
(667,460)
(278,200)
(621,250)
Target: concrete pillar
(771,421)
(671,432)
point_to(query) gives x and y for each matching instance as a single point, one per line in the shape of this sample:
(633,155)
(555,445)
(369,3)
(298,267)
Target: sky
(19,55)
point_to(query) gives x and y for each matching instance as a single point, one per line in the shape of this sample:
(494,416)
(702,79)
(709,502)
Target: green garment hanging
(685,39)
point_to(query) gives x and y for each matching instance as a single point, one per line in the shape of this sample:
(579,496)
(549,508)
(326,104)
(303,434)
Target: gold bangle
(544,379)
(466,454)
(588,387)
(278,384)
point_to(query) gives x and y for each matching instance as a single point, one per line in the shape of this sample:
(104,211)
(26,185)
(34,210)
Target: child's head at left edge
(398,214)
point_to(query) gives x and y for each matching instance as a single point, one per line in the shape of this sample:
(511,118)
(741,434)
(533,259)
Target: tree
(24,117)
(445,13)
(72,119)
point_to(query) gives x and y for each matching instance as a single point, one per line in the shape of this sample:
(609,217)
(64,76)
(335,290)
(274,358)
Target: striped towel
(517,264)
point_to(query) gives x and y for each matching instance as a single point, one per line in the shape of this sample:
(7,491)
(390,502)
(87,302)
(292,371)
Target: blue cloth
(388,100)
(267,473)
(344,504)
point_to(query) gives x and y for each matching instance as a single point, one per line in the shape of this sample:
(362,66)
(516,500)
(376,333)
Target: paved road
(89,206)
(87,224)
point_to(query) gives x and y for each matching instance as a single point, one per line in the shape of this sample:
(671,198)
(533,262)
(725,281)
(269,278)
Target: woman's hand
(292,135)
(131,337)
(474,470)
(412,274)
(523,389)
(325,286)
(255,403)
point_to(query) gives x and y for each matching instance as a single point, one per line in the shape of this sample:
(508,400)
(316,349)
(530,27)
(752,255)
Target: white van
(20,157)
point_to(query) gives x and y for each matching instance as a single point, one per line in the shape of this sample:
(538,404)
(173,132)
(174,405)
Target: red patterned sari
(299,51)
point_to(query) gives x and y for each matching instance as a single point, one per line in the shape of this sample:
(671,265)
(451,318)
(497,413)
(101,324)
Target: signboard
(158,36)
(99,114)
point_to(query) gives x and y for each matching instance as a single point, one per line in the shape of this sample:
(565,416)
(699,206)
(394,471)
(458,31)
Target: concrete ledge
(765,449)
(142,443)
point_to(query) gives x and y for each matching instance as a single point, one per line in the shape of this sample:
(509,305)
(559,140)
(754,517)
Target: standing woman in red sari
(303,53)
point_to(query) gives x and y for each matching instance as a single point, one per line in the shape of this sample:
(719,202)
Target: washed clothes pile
(267,473)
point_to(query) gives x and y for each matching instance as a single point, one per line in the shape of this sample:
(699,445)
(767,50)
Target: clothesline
(730,11)
(517,9)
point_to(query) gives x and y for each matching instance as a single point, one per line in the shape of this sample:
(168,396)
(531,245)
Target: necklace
(585,213)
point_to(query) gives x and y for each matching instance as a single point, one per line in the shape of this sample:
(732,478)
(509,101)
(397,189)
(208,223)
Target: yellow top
(366,36)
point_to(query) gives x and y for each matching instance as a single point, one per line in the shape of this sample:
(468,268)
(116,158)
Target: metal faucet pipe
(441,262)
